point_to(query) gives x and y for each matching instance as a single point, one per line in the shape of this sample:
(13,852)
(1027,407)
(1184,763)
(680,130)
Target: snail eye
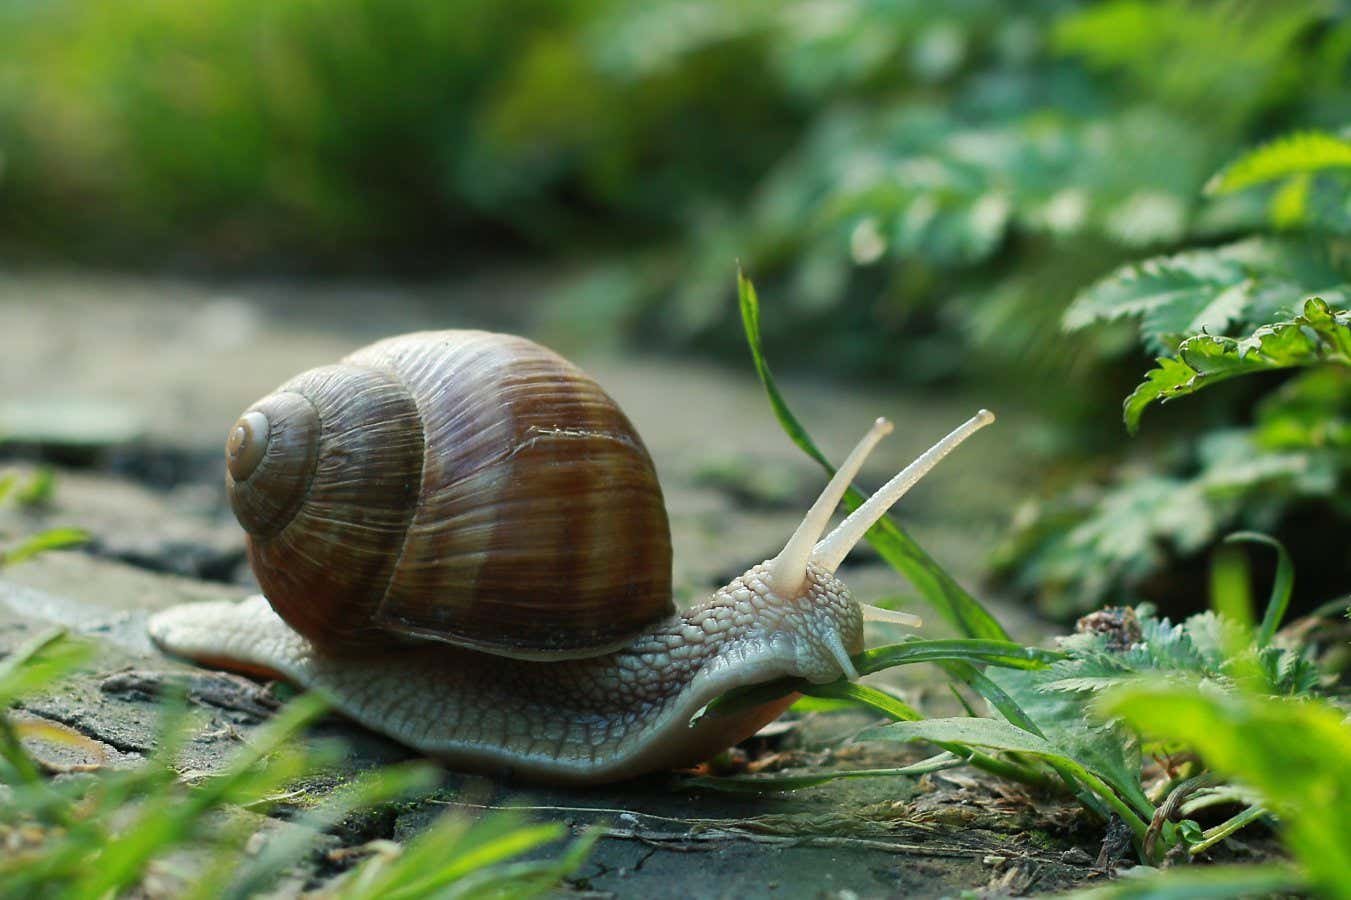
(247,445)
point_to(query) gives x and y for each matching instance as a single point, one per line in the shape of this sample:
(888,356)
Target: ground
(129,386)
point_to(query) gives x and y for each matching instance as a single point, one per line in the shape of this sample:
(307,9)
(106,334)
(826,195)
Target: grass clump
(96,833)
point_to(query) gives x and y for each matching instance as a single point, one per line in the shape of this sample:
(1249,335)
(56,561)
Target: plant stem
(1212,836)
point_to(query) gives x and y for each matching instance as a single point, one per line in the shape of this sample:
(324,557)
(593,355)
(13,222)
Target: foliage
(1264,304)
(1319,335)
(1301,153)
(102,835)
(1084,548)
(931,221)
(937,180)
(1219,882)
(1047,726)
(1310,166)
(243,131)
(1212,291)
(1294,753)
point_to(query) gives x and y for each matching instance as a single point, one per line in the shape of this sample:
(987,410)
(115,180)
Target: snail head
(805,568)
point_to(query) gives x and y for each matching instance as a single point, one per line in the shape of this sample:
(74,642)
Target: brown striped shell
(459,486)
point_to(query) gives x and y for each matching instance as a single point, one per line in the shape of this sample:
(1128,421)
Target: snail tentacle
(834,547)
(789,569)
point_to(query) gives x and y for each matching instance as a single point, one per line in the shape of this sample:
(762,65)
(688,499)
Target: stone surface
(187,530)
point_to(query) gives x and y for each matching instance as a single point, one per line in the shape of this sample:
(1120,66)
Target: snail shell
(456,486)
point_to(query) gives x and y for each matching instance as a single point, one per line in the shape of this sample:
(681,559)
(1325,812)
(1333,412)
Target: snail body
(462,545)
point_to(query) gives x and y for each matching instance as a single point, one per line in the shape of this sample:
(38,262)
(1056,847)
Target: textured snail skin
(576,721)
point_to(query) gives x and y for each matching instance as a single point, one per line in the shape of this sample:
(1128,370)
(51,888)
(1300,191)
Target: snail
(463,545)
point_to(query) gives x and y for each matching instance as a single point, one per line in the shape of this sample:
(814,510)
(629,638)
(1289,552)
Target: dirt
(129,386)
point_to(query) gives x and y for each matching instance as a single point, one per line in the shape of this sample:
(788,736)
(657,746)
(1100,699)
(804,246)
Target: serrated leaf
(1192,279)
(1169,378)
(1239,285)
(1062,717)
(1293,154)
(1319,335)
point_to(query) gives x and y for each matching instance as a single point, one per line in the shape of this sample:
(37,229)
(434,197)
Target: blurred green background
(920,190)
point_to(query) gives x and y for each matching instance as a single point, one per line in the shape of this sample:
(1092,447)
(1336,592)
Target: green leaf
(1220,882)
(937,587)
(1281,586)
(1191,280)
(1295,753)
(1214,290)
(1170,378)
(39,489)
(53,539)
(994,653)
(964,650)
(368,790)
(861,694)
(1293,154)
(1061,717)
(1320,335)
(991,733)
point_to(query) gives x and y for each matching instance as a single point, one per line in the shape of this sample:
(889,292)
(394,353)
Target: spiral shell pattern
(459,486)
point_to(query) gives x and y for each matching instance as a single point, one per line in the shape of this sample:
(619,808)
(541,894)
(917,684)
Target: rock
(185,531)
(67,429)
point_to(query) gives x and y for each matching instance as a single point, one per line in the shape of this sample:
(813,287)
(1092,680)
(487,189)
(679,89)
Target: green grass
(102,835)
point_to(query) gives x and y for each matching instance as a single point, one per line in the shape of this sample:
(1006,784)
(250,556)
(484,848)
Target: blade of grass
(887,705)
(170,819)
(1281,586)
(370,789)
(1002,653)
(499,849)
(758,784)
(53,539)
(900,550)
(525,879)
(38,663)
(995,653)
(1213,836)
